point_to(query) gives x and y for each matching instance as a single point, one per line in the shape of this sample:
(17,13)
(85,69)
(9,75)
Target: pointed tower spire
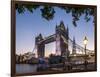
(62,25)
(56,26)
(74,46)
(67,32)
(67,29)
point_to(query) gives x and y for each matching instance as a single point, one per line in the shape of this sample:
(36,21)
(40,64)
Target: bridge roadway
(48,39)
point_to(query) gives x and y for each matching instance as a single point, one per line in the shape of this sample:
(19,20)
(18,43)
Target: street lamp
(85,41)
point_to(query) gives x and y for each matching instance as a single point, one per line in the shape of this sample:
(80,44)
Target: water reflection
(25,68)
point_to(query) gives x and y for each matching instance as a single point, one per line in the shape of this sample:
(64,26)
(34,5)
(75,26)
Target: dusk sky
(29,25)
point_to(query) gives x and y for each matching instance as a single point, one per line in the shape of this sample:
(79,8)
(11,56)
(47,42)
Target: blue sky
(29,25)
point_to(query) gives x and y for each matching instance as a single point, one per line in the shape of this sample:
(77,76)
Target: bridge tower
(74,46)
(40,46)
(62,36)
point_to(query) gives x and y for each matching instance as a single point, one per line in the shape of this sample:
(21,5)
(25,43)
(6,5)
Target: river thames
(25,68)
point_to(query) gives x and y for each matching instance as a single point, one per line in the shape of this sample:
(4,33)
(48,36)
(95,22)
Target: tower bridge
(63,41)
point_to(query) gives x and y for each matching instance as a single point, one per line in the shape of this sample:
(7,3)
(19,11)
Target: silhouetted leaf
(48,12)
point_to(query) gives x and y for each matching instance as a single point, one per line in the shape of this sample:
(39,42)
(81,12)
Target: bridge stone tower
(74,46)
(40,46)
(62,36)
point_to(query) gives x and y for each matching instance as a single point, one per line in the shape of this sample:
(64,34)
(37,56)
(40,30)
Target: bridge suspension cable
(34,49)
(80,48)
(77,47)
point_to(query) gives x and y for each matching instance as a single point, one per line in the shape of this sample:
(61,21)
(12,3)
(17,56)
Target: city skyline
(27,28)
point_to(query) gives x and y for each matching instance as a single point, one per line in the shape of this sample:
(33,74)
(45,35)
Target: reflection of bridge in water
(64,45)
